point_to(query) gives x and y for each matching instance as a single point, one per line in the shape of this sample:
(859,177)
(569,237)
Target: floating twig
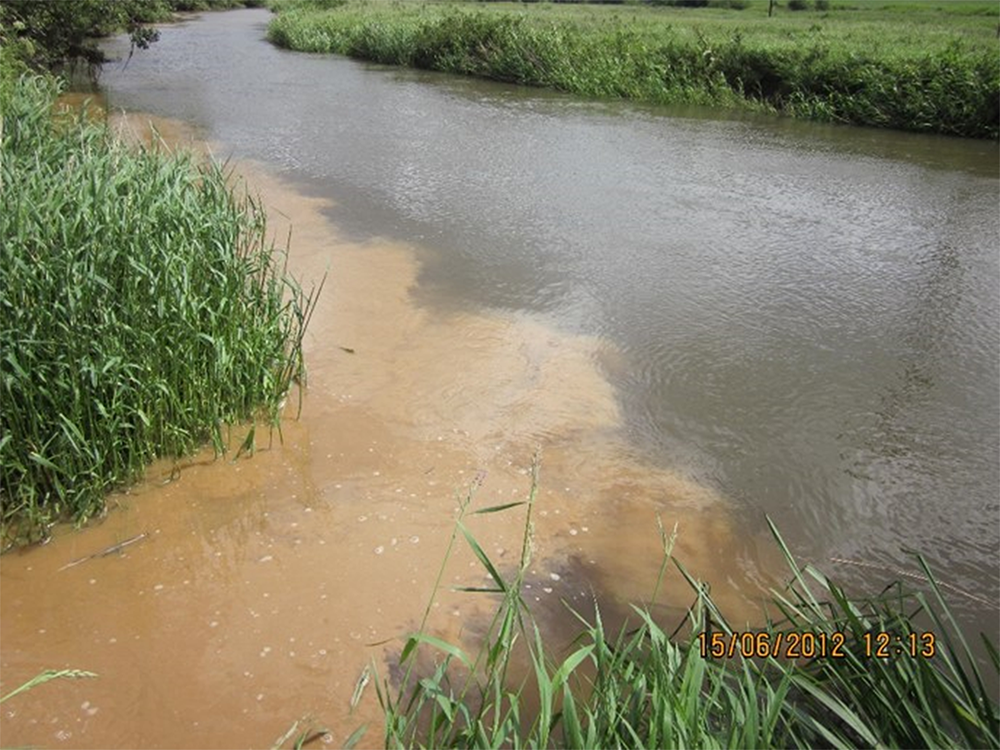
(109,551)
(915,577)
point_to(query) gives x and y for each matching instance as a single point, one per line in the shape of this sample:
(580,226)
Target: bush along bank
(950,88)
(56,33)
(141,310)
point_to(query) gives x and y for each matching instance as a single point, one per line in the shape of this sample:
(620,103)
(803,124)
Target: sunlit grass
(141,310)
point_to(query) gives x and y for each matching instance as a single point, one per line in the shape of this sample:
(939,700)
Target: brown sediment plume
(264,580)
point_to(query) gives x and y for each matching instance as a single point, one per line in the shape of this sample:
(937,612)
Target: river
(709,318)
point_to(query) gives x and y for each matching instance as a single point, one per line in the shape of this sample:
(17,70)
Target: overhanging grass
(936,73)
(141,309)
(643,687)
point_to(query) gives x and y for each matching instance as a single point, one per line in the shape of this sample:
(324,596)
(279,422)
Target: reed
(141,310)
(939,72)
(642,687)
(47,676)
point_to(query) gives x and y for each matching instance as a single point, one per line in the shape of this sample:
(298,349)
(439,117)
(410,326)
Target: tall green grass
(640,686)
(937,73)
(141,310)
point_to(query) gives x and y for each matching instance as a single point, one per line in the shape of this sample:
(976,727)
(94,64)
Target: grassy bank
(890,670)
(922,69)
(141,310)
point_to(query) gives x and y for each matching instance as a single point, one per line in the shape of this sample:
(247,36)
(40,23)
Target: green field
(931,67)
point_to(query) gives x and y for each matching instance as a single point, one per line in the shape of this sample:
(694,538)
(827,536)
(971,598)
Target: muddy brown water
(701,319)
(263,582)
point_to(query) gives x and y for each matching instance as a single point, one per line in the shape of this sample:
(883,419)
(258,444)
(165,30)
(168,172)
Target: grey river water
(805,317)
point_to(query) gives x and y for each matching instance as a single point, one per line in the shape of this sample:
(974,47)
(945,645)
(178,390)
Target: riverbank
(144,310)
(927,71)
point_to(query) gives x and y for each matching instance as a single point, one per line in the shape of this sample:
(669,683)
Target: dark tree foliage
(52,32)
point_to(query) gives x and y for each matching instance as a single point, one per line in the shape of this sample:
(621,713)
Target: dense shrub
(57,31)
(48,33)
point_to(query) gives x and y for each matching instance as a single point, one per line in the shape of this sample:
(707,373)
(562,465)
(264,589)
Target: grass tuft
(640,687)
(141,309)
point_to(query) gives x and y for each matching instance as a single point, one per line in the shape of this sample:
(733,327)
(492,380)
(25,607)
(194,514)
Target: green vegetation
(54,32)
(644,688)
(919,69)
(47,676)
(141,309)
